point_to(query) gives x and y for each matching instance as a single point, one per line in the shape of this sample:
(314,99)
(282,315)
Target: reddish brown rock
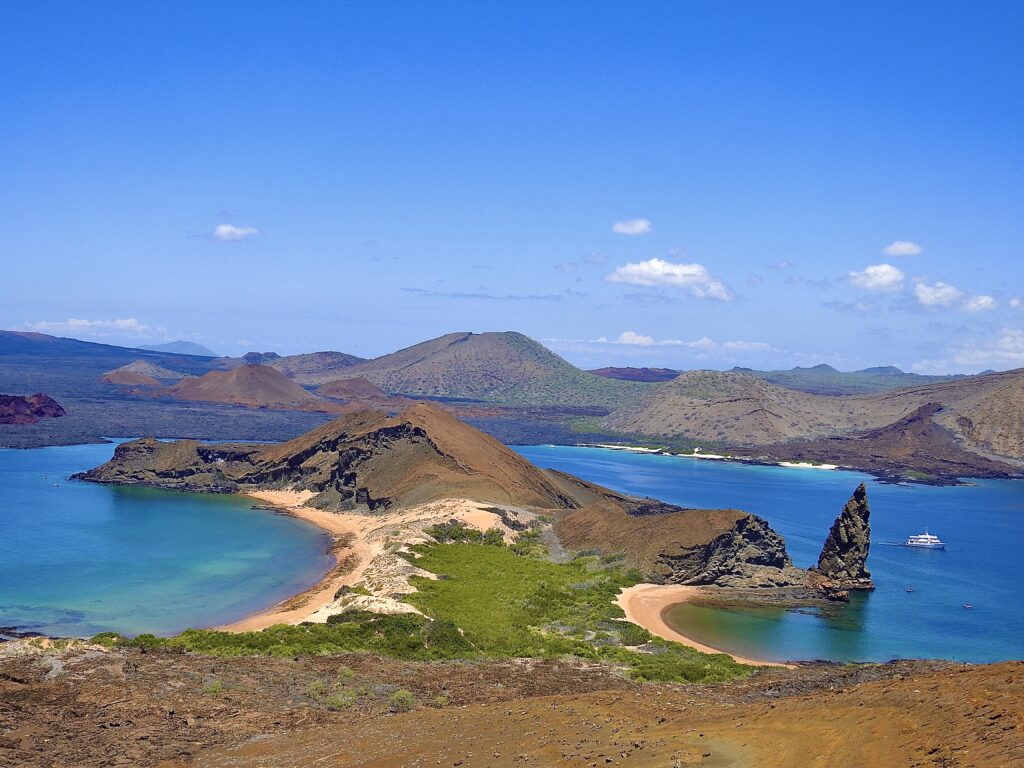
(18,409)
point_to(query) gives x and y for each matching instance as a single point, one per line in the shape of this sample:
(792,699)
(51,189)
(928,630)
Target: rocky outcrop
(842,564)
(722,547)
(749,554)
(18,409)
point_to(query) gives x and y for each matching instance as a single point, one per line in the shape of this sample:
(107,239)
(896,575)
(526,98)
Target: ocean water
(982,565)
(78,558)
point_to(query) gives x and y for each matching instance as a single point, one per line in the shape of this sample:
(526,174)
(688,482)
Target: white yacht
(924,541)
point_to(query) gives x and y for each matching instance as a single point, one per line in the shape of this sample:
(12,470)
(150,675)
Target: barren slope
(352,389)
(984,413)
(76,709)
(252,385)
(740,409)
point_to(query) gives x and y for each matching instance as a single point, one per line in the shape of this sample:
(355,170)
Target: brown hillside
(740,409)
(252,385)
(364,460)
(352,389)
(642,538)
(914,441)
(557,713)
(985,413)
(421,455)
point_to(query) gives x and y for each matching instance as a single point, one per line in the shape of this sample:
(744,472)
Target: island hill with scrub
(451,549)
(427,468)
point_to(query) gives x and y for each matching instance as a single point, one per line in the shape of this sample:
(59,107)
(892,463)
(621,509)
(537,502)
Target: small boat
(910,589)
(968,606)
(924,541)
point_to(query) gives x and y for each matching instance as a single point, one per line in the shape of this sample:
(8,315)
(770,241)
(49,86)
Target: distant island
(181,348)
(519,391)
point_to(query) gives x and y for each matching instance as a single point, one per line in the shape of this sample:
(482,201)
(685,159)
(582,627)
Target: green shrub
(631,634)
(456,532)
(342,700)
(401,701)
(529,544)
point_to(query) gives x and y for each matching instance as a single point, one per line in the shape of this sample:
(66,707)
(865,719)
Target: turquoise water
(78,558)
(983,564)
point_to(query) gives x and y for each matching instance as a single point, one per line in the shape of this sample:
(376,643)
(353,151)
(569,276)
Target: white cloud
(980,304)
(902,248)
(632,338)
(878,277)
(632,227)
(98,328)
(938,295)
(1006,350)
(653,272)
(228,233)
(1016,302)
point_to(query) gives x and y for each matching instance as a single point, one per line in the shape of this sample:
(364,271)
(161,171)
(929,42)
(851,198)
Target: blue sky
(699,184)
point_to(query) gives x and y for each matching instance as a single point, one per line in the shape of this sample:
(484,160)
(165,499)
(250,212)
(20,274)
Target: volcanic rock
(18,409)
(842,564)
(720,547)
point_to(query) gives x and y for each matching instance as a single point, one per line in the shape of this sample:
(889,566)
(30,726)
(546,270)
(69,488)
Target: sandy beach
(351,554)
(358,540)
(645,605)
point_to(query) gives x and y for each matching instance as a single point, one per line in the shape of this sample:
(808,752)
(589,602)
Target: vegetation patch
(491,602)
(455,531)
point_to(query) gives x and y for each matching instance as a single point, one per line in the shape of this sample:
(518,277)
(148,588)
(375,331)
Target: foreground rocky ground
(87,706)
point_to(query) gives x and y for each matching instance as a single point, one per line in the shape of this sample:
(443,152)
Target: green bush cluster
(403,636)
(456,532)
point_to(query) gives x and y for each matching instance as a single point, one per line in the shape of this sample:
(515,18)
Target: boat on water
(924,541)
